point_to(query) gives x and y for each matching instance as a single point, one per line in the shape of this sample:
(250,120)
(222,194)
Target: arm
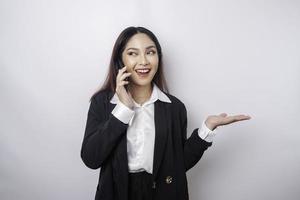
(101,135)
(194,146)
(198,142)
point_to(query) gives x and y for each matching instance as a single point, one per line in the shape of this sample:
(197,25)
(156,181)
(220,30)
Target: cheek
(153,59)
(155,70)
(130,62)
(154,62)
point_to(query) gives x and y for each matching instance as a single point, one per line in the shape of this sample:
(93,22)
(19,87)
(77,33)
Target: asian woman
(136,132)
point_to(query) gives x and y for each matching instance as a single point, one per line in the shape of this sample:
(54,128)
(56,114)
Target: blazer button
(154,185)
(169,179)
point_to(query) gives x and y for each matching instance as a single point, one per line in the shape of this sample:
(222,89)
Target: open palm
(213,121)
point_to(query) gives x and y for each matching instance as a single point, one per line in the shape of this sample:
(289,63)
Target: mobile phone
(120,65)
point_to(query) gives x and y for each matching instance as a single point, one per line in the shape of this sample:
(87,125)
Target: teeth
(143,70)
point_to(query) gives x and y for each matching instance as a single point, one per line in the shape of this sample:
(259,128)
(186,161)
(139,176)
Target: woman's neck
(139,93)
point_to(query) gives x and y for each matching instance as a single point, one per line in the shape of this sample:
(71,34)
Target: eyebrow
(138,49)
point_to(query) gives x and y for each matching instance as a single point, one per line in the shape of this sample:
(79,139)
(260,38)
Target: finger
(242,117)
(124,68)
(228,119)
(235,118)
(123,83)
(125,75)
(245,118)
(120,72)
(119,76)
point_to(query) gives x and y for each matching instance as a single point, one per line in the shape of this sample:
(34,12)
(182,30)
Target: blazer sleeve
(101,135)
(194,146)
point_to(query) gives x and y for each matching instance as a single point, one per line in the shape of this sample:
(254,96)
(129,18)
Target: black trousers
(140,186)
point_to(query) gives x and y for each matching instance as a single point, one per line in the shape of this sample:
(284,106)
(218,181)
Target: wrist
(210,125)
(128,105)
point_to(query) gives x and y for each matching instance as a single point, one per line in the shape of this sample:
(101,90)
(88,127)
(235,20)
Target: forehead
(140,40)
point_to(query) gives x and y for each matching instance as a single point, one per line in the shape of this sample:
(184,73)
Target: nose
(144,60)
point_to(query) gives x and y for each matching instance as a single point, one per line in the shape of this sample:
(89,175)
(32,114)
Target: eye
(152,52)
(131,53)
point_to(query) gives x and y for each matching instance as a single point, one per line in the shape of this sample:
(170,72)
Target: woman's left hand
(213,121)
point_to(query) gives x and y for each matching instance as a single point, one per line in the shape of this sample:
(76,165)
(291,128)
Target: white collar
(156,94)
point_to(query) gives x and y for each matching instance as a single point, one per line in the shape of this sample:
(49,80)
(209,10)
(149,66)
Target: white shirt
(141,130)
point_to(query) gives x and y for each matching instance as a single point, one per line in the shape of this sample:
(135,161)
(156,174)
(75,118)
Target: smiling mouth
(143,72)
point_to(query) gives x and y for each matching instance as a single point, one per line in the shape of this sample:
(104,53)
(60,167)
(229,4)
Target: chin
(142,82)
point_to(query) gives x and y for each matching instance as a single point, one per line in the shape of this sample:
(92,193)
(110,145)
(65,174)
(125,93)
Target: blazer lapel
(162,123)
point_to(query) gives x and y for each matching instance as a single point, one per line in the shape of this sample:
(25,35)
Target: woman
(136,132)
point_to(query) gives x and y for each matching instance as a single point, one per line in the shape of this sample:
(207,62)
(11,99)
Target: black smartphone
(120,65)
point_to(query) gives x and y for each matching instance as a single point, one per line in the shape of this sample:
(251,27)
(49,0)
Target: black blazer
(104,146)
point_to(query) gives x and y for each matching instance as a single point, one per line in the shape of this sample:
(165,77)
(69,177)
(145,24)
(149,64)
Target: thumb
(223,115)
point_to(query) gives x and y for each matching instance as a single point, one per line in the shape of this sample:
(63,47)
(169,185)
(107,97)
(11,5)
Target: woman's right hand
(124,96)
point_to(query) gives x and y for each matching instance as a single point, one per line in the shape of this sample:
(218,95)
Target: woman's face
(140,53)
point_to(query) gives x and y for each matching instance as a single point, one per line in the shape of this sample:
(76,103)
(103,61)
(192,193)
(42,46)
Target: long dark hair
(116,60)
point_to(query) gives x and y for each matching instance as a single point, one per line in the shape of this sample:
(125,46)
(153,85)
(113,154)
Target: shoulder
(176,102)
(101,97)
(178,108)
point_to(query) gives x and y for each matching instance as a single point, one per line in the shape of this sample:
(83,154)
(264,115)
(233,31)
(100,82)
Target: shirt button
(169,179)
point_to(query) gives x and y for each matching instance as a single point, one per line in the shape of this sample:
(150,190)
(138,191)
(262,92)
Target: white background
(238,57)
